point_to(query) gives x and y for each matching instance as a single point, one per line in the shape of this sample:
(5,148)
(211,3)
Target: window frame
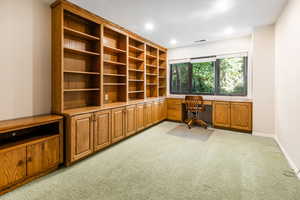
(217,79)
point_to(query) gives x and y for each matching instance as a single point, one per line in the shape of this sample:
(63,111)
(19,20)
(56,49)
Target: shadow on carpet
(195,133)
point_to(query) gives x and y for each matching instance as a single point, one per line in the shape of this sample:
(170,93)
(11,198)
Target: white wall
(263,79)
(25,58)
(287,70)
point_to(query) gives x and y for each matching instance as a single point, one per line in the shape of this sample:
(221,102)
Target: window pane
(231,77)
(203,79)
(180,78)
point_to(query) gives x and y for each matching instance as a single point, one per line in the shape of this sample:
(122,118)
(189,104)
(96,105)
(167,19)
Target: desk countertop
(216,98)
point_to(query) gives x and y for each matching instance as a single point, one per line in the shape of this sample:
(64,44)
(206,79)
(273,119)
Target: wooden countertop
(221,98)
(27,122)
(83,110)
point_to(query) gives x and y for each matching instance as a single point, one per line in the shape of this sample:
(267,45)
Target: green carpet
(159,165)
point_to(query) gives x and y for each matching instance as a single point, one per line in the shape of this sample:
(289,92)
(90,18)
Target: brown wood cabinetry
(155,112)
(118,124)
(81,136)
(42,155)
(131,120)
(139,117)
(174,109)
(221,114)
(102,129)
(241,116)
(29,148)
(13,166)
(148,114)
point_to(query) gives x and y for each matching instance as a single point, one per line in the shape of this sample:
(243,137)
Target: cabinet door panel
(131,120)
(140,117)
(102,132)
(174,109)
(221,114)
(241,116)
(118,124)
(81,136)
(42,156)
(13,166)
(147,115)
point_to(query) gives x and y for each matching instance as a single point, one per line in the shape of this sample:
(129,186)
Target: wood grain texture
(221,114)
(42,156)
(81,136)
(13,166)
(241,116)
(118,124)
(140,117)
(27,122)
(131,120)
(102,129)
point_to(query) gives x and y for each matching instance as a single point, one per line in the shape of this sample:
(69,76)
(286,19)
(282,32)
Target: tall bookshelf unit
(97,63)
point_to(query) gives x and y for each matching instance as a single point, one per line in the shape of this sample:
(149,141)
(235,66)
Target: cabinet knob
(20,163)
(29,159)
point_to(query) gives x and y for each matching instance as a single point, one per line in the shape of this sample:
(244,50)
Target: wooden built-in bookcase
(98,63)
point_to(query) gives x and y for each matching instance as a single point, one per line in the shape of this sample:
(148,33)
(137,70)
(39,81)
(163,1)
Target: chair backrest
(193,102)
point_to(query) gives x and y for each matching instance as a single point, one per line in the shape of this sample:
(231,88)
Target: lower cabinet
(235,115)
(241,116)
(148,114)
(13,166)
(118,124)
(221,115)
(88,133)
(81,136)
(42,156)
(174,108)
(102,129)
(28,160)
(131,120)
(139,117)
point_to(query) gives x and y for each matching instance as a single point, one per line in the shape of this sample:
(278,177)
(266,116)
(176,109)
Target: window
(210,76)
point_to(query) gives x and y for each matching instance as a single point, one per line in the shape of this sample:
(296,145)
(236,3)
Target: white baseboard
(260,134)
(290,161)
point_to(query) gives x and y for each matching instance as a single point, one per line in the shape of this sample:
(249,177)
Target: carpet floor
(168,162)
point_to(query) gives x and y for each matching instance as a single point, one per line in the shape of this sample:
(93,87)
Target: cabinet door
(102,129)
(42,156)
(118,124)
(81,136)
(156,105)
(241,116)
(147,115)
(140,117)
(165,110)
(221,114)
(162,110)
(13,166)
(131,120)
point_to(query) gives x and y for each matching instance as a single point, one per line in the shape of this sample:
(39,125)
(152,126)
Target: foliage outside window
(225,76)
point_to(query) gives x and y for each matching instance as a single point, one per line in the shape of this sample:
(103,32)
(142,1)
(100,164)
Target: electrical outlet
(106,97)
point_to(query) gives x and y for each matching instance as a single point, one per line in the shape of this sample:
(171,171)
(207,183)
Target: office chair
(194,106)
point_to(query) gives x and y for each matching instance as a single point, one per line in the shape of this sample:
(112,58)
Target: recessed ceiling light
(173,41)
(149,26)
(228,30)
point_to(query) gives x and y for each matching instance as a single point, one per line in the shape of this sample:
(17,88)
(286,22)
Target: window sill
(216,98)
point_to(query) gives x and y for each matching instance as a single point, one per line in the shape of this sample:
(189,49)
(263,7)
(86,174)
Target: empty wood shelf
(162,77)
(113,50)
(82,90)
(114,62)
(153,66)
(136,80)
(140,91)
(79,51)
(81,72)
(112,84)
(135,49)
(149,74)
(151,84)
(80,34)
(136,70)
(151,56)
(121,75)
(135,59)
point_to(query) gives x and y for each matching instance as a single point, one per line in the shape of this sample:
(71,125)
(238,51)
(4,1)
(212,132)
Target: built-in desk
(236,115)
